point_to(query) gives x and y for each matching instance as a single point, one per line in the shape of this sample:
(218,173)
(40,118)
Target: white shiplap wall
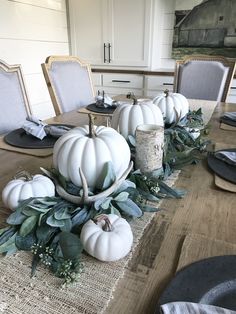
(31,30)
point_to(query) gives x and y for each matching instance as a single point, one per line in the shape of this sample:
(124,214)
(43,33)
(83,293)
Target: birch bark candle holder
(149,147)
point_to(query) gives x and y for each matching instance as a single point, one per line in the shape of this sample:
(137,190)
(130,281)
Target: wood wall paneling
(31,30)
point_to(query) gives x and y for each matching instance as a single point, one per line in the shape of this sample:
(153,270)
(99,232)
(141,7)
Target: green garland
(49,227)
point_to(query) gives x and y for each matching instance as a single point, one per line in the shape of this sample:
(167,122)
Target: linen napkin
(193,308)
(104,101)
(230,116)
(226,156)
(39,129)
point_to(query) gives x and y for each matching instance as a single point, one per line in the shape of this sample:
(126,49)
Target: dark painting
(209,28)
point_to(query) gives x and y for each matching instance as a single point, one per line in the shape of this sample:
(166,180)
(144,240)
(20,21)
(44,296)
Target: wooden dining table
(207,214)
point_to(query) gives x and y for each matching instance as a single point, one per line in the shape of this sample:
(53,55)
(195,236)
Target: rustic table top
(206,211)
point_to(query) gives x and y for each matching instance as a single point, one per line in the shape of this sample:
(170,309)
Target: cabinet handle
(233,87)
(120,81)
(167,84)
(109,53)
(104,53)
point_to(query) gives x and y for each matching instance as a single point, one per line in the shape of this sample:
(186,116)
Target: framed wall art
(209,27)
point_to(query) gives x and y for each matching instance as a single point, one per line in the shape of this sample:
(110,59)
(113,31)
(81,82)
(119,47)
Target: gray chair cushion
(200,79)
(72,85)
(12,104)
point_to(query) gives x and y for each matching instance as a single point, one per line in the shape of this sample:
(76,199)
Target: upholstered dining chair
(204,77)
(69,82)
(14,102)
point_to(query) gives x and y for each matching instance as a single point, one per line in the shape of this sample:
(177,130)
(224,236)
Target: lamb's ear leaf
(107,176)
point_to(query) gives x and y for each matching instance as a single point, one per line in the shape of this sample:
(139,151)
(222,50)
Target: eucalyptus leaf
(149,196)
(6,234)
(25,243)
(107,176)
(44,233)
(70,245)
(11,249)
(29,211)
(53,222)
(98,203)
(67,225)
(8,244)
(62,214)
(28,225)
(129,208)
(16,218)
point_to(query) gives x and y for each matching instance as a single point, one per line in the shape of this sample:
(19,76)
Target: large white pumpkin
(25,187)
(128,116)
(173,106)
(110,244)
(78,148)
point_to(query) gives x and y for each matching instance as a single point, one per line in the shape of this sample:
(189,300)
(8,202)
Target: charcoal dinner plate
(225,120)
(20,138)
(221,168)
(94,108)
(210,281)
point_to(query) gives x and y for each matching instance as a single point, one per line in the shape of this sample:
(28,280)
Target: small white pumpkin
(90,148)
(26,186)
(109,239)
(173,106)
(128,116)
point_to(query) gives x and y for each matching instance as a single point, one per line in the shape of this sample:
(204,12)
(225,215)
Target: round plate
(95,108)
(20,138)
(227,121)
(221,168)
(210,281)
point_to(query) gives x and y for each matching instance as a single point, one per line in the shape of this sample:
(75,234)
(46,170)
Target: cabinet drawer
(159,82)
(123,80)
(122,91)
(97,79)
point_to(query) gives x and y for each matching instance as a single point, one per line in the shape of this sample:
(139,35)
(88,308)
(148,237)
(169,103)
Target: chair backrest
(69,82)
(204,77)
(14,102)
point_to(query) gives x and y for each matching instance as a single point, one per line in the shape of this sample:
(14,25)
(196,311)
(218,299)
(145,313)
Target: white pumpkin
(128,116)
(25,187)
(90,148)
(107,240)
(173,106)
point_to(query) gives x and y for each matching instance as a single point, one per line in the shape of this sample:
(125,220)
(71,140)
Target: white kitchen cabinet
(155,85)
(115,84)
(111,32)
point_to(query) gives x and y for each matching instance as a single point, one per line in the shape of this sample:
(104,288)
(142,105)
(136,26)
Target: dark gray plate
(20,138)
(227,121)
(95,108)
(221,168)
(210,281)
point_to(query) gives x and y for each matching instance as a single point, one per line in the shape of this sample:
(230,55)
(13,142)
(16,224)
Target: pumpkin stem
(23,174)
(92,132)
(166,92)
(107,226)
(132,96)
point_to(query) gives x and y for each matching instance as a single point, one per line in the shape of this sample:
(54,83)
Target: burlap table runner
(42,294)
(39,152)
